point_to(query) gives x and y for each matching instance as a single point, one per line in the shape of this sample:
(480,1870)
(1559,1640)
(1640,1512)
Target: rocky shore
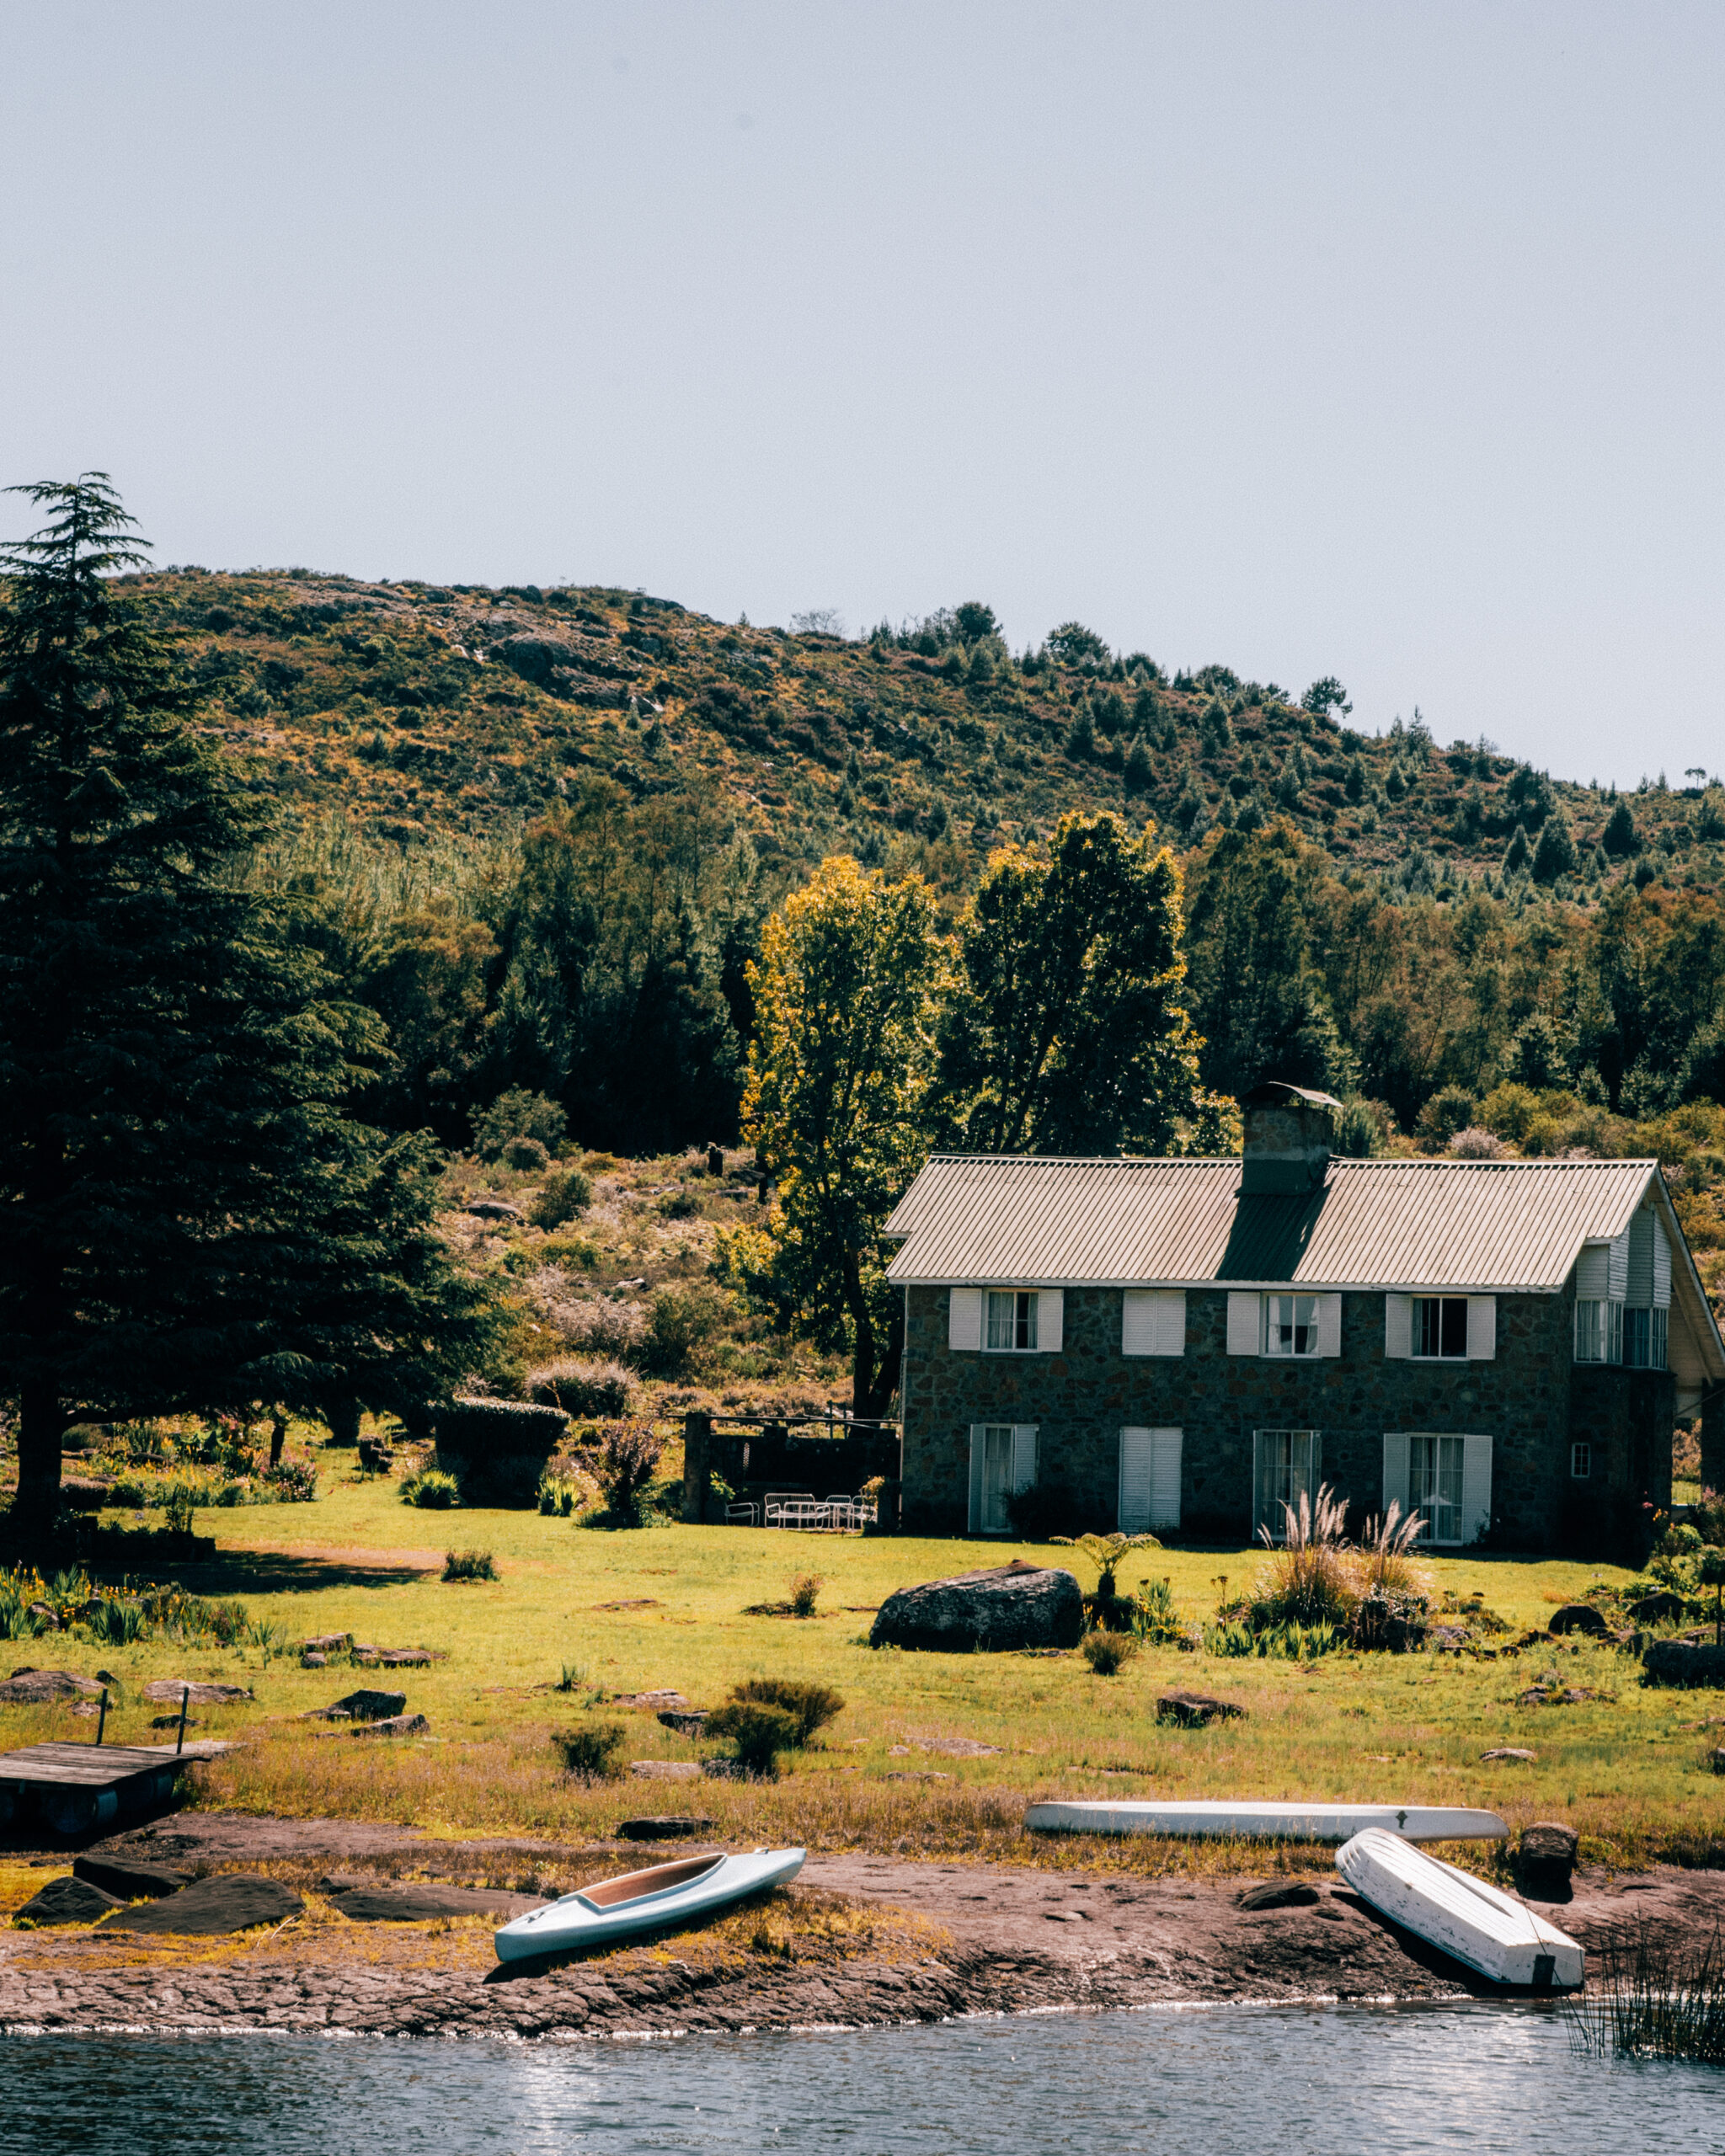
(963,1940)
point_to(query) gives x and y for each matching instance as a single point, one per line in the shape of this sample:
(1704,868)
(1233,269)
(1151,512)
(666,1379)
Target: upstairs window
(1440,1327)
(1290,1324)
(1599,1330)
(1644,1338)
(1012,1320)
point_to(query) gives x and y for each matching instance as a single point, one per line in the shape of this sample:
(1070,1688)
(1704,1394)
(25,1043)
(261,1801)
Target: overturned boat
(1270,1820)
(1476,1924)
(665,1896)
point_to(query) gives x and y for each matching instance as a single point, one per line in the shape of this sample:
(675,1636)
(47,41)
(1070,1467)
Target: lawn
(666,1607)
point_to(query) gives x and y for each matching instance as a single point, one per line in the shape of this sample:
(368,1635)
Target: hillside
(424,710)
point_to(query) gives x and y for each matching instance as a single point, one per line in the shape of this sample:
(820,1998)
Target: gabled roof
(1508,1226)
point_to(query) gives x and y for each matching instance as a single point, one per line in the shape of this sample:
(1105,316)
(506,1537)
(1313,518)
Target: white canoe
(1283,1820)
(1490,1931)
(665,1896)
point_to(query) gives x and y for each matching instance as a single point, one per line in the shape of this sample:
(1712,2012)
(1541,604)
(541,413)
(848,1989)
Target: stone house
(1191,1344)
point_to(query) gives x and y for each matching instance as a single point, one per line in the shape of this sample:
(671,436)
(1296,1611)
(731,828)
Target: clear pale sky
(1381,340)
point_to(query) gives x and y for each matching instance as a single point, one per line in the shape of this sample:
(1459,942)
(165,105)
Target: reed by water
(1654,2002)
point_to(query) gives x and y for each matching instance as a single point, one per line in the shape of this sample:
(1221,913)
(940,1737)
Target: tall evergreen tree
(192,1218)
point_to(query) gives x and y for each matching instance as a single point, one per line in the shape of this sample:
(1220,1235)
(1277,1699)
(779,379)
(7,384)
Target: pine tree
(1138,773)
(1519,854)
(193,1219)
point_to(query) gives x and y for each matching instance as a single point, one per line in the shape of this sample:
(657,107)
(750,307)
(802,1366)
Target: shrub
(484,1428)
(804,1590)
(592,1325)
(469,1565)
(565,1197)
(1107,1608)
(629,1453)
(684,1324)
(113,1623)
(294,1481)
(1448,1110)
(1107,1651)
(558,1496)
(1474,1144)
(525,1153)
(813,1705)
(518,1113)
(572,1676)
(433,1490)
(1306,1580)
(584,1385)
(588,1752)
(756,1735)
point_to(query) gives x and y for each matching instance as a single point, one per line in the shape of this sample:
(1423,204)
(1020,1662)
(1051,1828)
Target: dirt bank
(860,1939)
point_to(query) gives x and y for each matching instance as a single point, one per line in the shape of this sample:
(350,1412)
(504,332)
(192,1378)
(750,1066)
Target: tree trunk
(41,1427)
(278,1435)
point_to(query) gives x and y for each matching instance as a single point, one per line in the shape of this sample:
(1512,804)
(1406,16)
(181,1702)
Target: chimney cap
(1274,1093)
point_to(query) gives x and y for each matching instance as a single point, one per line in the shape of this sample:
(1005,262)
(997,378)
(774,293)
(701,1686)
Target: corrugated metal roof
(1511,1226)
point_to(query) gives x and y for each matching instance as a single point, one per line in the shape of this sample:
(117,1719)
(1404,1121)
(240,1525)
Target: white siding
(1398,1329)
(1245,1322)
(1475,1487)
(1593,1273)
(1134,1505)
(1153,1321)
(1024,1456)
(1619,1268)
(1329,1325)
(1050,1321)
(1641,1260)
(1396,1471)
(1482,1328)
(964,1319)
(1662,1265)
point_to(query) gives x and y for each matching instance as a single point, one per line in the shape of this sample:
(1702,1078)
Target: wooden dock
(76,1787)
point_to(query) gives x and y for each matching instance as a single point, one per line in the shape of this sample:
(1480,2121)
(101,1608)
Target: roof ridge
(1235,1159)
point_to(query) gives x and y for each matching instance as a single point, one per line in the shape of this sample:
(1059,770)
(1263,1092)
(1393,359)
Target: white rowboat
(1490,1931)
(665,1896)
(1286,1820)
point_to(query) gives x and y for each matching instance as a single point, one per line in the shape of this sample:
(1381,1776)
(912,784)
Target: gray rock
(128,1880)
(172,1721)
(202,1695)
(364,1706)
(313,1661)
(420,1901)
(691,1722)
(1196,1710)
(1549,1845)
(328,1643)
(66,1901)
(391,1726)
(997,1611)
(1716,1759)
(662,1826)
(225,1902)
(1678,1661)
(36,1688)
(1578,1617)
(492,1208)
(1279,1894)
(1661,1607)
(1510,1751)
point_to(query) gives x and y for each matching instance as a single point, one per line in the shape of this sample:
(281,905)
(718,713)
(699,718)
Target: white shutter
(1135,1478)
(1482,1328)
(1165,1478)
(1396,1471)
(1619,1269)
(1329,1325)
(1153,1321)
(978,1446)
(1476,1488)
(1662,1266)
(1024,1456)
(964,1319)
(1398,1328)
(1050,1321)
(1592,1273)
(1245,1322)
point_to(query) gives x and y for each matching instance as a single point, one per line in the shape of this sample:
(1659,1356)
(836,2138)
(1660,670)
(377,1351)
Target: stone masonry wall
(1080,1398)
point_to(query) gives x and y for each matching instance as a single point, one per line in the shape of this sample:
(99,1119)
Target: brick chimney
(1287,1133)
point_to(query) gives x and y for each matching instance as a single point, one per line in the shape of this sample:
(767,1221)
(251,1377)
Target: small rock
(491,1208)
(666,1770)
(127,1881)
(1510,1751)
(69,1900)
(421,1900)
(202,1695)
(662,1826)
(314,1662)
(957,1748)
(46,1616)
(328,1643)
(391,1726)
(1578,1617)
(36,1687)
(655,1699)
(1548,1845)
(1447,1639)
(366,1706)
(1195,1710)
(172,1721)
(404,1657)
(1716,1759)
(227,1902)
(1278,1894)
(689,1722)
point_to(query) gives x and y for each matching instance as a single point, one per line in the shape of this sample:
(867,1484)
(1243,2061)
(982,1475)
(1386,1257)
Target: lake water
(1225,2082)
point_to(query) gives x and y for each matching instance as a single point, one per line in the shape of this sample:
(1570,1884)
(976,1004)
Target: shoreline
(859,1941)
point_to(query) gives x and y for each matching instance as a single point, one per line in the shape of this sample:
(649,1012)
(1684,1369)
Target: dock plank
(97,1766)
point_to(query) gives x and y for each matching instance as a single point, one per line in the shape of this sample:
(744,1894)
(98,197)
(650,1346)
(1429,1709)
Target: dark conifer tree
(193,1219)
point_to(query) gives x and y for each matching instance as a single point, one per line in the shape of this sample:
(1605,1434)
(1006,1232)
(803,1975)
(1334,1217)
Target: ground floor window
(1284,1469)
(1581,1461)
(1002,1462)
(1434,1484)
(1442,1478)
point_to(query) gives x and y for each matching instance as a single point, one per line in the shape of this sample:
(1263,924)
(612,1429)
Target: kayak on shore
(1274,1820)
(665,1896)
(1476,1924)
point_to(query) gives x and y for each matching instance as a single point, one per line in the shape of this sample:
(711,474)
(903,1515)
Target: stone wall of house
(1080,1399)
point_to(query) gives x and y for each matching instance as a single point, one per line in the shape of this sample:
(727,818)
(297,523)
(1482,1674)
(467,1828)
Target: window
(1290,1324)
(1599,1331)
(1012,1320)
(1434,1485)
(1644,1337)
(1284,1469)
(1002,1462)
(1581,1461)
(1150,1479)
(1440,1327)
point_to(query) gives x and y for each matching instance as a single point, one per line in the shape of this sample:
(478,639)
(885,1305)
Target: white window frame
(1273,1325)
(1020,1319)
(1416,1328)
(1599,1329)
(1022,1440)
(1267,1505)
(1657,1328)
(1476,1504)
(1581,1460)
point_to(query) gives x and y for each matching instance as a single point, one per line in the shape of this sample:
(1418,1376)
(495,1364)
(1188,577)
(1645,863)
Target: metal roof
(1503,1227)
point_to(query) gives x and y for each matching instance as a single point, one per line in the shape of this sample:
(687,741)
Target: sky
(1379,340)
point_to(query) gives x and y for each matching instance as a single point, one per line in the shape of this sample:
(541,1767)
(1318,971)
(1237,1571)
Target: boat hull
(573,1924)
(1287,1821)
(1488,1931)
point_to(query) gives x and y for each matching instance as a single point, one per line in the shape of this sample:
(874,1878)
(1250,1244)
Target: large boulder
(1011,1606)
(128,1881)
(1679,1661)
(38,1688)
(66,1901)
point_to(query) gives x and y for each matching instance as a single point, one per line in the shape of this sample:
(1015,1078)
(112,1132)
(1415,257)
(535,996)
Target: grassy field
(666,1607)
